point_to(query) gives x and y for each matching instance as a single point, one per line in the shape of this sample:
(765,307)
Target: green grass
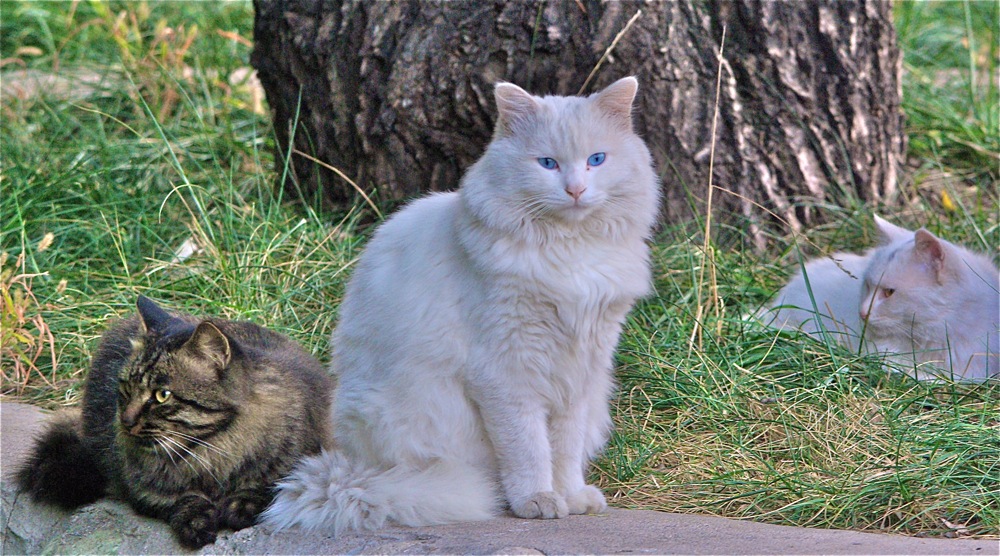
(780,428)
(952,101)
(100,189)
(120,183)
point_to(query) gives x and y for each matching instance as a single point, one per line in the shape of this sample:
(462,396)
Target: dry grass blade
(356,187)
(607,51)
(24,334)
(708,259)
(797,236)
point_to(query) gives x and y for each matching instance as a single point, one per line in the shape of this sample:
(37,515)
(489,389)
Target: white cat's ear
(514,105)
(616,100)
(928,249)
(889,232)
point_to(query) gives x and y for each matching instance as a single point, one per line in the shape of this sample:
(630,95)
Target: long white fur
(941,319)
(475,342)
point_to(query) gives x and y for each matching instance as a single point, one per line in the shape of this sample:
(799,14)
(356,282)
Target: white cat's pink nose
(575,191)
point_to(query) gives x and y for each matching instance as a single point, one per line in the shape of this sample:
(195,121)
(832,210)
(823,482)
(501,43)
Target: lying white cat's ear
(616,100)
(928,249)
(514,105)
(889,232)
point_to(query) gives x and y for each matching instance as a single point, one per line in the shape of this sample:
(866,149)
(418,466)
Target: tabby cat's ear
(209,344)
(151,316)
(890,233)
(929,250)
(616,100)
(514,107)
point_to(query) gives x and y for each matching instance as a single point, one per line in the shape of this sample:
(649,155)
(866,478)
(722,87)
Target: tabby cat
(190,420)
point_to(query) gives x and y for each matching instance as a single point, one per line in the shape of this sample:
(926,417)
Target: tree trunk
(398,95)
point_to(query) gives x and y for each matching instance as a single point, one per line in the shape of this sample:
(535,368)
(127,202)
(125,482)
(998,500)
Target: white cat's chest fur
(586,280)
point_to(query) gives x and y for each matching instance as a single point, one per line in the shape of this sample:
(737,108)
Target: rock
(27,525)
(110,527)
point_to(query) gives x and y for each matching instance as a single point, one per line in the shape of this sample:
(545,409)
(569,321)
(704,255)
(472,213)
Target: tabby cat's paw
(587,500)
(195,521)
(241,509)
(541,505)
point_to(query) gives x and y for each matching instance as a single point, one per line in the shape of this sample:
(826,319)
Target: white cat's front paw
(541,505)
(587,500)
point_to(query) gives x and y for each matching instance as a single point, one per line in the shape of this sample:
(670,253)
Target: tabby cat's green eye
(163,395)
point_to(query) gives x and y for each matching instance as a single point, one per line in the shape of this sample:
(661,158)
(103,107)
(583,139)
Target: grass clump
(951,63)
(782,428)
(177,204)
(951,52)
(25,337)
(136,158)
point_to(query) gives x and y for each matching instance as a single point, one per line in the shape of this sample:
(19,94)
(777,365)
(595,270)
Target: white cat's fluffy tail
(330,492)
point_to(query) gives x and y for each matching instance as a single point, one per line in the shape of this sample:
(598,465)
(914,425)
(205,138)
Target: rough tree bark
(398,95)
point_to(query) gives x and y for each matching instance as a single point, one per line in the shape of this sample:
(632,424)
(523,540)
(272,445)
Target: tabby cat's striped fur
(189,420)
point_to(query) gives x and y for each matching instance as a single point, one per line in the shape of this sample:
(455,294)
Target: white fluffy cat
(475,343)
(933,305)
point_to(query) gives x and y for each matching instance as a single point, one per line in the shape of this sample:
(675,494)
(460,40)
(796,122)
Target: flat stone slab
(109,527)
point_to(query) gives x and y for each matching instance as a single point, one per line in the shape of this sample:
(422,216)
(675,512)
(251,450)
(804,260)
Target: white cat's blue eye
(596,159)
(548,163)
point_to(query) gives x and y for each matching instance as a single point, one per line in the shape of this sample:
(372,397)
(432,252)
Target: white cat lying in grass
(933,305)
(475,342)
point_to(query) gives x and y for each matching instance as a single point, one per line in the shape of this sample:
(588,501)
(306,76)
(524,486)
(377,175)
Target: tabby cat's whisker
(169,451)
(200,442)
(180,450)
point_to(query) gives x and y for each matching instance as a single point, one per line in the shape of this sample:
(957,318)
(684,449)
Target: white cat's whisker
(533,207)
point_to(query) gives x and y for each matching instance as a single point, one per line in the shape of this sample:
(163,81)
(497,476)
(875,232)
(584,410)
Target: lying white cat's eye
(887,292)
(596,159)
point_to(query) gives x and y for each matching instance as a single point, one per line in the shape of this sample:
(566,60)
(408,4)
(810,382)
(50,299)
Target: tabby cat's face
(172,395)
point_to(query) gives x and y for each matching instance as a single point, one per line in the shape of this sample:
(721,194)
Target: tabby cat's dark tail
(63,468)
